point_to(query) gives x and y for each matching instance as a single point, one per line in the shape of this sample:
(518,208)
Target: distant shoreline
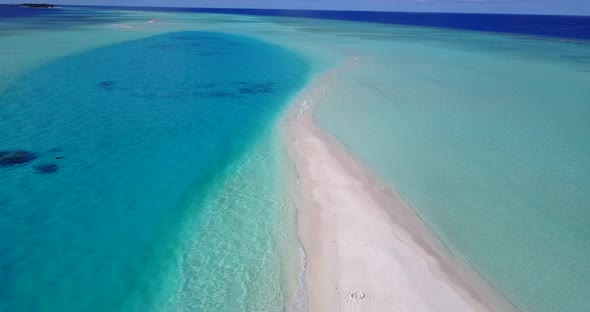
(30,5)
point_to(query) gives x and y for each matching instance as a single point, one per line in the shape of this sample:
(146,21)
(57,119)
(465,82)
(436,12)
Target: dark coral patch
(220,94)
(13,158)
(257,88)
(46,168)
(107,84)
(207,85)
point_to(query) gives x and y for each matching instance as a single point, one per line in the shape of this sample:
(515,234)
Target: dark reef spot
(257,88)
(46,168)
(13,158)
(220,94)
(107,84)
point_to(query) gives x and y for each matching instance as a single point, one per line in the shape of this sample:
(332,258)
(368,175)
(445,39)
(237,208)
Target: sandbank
(365,249)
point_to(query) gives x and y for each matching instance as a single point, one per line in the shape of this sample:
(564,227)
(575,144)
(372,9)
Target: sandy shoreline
(365,249)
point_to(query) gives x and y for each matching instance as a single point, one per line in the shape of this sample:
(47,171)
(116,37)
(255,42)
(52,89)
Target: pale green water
(247,228)
(487,137)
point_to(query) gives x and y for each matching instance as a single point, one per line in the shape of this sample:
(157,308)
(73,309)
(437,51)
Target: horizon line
(309,9)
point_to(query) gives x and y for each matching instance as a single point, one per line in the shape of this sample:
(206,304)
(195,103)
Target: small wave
(123,26)
(299,303)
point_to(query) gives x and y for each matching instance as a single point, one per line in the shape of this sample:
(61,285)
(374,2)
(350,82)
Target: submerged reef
(220,94)
(13,158)
(256,88)
(107,84)
(46,168)
(244,89)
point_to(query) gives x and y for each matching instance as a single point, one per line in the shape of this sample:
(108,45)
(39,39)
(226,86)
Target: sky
(577,7)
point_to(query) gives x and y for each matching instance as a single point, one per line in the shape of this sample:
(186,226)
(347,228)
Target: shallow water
(486,136)
(135,129)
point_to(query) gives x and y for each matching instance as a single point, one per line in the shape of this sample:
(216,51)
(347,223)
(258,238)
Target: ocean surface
(570,26)
(156,179)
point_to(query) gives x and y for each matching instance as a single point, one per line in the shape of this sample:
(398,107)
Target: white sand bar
(365,249)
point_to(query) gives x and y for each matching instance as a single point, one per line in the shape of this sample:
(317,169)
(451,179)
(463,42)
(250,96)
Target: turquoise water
(146,136)
(170,193)
(487,137)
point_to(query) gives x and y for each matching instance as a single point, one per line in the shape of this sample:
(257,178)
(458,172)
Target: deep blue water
(6,11)
(541,25)
(120,137)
